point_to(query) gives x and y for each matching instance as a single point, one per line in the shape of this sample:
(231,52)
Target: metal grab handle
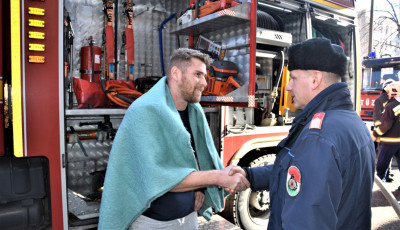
(388,195)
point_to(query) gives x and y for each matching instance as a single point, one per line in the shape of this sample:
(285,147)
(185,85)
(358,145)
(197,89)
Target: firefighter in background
(379,107)
(382,100)
(323,174)
(388,132)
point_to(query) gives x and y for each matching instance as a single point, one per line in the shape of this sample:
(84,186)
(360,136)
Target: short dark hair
(181,58)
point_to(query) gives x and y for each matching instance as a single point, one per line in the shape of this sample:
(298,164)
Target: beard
(190,93)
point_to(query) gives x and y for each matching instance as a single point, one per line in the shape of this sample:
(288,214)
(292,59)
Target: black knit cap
(318,54)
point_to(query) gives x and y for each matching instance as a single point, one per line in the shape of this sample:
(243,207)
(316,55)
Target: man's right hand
(233,179)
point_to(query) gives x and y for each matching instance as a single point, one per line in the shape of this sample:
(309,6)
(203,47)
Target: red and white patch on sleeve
(316,122)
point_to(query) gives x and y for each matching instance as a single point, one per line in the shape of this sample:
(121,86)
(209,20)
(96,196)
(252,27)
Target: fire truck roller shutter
(268,21)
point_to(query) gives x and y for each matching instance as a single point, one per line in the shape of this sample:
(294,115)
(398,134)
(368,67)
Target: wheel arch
(256,146)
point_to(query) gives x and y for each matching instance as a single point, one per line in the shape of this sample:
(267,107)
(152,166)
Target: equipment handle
(233,82)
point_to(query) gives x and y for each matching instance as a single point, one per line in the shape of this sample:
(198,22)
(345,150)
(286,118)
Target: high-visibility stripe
(390,139)
(396,110)
(378,131)
(16,93)
(377,123)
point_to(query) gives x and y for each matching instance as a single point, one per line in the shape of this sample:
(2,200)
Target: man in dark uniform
(388,132)
(323,174)
(379,107)
(381,101)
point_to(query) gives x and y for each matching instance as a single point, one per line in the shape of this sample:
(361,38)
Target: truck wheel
(253,208)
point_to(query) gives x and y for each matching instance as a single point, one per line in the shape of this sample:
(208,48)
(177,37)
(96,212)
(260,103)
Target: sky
(378,4)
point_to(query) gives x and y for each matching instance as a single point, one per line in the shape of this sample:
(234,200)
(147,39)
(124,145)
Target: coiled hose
(121,95)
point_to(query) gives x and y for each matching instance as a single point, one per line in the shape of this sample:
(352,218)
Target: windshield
(373,77)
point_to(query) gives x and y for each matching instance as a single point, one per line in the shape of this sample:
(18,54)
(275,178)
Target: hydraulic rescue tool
(221,78)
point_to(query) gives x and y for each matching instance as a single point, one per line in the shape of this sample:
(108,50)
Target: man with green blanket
(163,166)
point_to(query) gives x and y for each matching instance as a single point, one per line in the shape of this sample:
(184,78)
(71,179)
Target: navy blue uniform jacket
(336,168)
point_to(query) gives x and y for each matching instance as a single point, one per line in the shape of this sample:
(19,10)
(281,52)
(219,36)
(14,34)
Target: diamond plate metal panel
(80,168)
(148,16)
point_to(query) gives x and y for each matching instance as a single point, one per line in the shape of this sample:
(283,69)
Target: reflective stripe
(377,123)
(378,131)
(390,139)
(16,93)
(396,110)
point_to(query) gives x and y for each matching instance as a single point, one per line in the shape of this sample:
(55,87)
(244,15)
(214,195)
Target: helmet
(387,83)
(394,89)
(390,76)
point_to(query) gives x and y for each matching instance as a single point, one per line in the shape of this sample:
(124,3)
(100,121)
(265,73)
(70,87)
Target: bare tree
(387,26)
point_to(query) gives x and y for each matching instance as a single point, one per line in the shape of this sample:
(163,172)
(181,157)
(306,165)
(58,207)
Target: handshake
(233,179)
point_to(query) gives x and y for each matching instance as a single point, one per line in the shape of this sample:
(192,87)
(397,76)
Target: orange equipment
(121,92)
(220,78)
(210,6)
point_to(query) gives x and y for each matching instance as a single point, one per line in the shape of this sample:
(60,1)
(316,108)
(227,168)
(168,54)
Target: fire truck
(373,71)
(58,122)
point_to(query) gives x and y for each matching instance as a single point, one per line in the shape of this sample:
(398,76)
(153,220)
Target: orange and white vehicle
(55,149)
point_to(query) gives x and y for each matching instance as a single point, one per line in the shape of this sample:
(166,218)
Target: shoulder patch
(316,122)
(293,181)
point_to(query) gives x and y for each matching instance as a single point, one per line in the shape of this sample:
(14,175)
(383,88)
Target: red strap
(130,51)
(110,39)
(110,50)
(129,40)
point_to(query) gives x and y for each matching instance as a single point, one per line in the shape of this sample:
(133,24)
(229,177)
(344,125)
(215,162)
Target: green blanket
(151,154)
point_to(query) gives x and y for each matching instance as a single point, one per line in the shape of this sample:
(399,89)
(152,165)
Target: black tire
(253,217)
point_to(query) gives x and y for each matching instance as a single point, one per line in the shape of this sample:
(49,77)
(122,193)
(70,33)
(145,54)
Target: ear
(317,77)
(175,73)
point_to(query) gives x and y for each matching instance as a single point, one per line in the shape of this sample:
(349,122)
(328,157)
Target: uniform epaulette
(316,121)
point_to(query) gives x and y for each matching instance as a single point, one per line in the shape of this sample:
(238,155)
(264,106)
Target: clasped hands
(233,179)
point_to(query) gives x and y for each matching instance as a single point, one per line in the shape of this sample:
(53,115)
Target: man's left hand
(198,200)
